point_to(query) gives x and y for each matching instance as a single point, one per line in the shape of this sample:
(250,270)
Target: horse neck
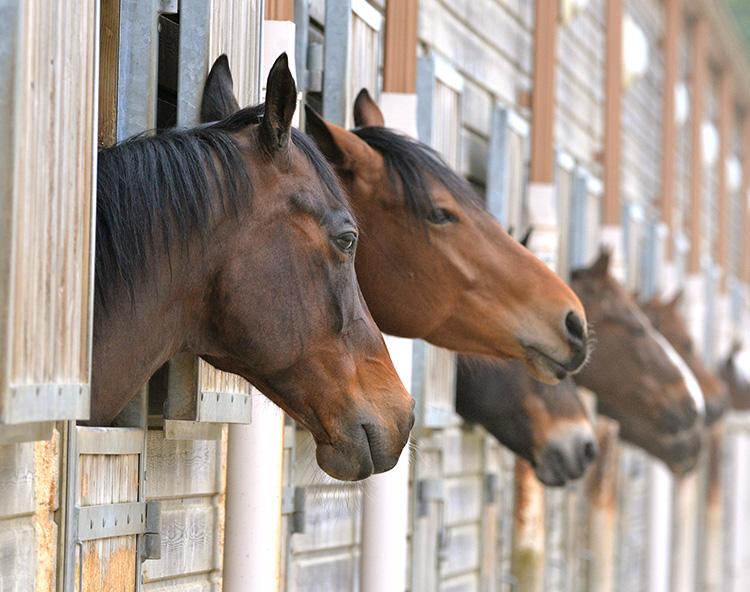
(134,336)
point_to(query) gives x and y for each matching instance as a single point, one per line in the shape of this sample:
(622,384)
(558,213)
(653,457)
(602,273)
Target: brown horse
(632,375)
(736,373)
(544,424)
(462,282)
(666,318)
(234,241)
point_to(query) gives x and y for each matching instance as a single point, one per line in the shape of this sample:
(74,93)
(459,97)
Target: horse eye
(441,216)
(346,242)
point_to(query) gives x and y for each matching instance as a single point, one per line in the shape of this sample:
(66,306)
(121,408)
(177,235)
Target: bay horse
(635,379)
(433,263)
(463,282)
(234,241)
(547,425)
(666,318)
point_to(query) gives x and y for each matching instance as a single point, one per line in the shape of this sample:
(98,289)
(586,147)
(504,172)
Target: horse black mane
(169,186)
(415,166)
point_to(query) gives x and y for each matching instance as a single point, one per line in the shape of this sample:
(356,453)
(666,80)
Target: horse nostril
(589,451)
(574,325)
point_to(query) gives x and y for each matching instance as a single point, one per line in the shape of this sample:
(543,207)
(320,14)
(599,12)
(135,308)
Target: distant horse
(736,373)
(666,318)
(234,241)
(635,380)
(545,424)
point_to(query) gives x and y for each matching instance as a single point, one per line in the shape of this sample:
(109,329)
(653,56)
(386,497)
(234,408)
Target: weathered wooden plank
(17,555)
(328,572)
(461,552)
(108,564)
(176,468)
(188,539)
(16,479)
(201,583)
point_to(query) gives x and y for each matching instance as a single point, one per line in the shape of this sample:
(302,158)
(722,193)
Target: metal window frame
(505,121)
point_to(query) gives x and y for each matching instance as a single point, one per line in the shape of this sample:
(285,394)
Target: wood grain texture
(108,564)
(698,83)
(16,479)
(52,191)
(613,113)
(17,555)
(280,10)
(179,468)
(400,62)
(543,93)
(109,45)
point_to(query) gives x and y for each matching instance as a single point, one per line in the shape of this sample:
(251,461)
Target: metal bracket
(428,490)
(293,505)
(491,485)
(125,519)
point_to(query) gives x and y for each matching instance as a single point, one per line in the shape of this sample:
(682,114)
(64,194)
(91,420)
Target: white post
(385,503)
(660,527)
(255,458)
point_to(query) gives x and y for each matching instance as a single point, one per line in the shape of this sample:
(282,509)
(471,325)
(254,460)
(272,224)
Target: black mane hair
(169,186)
(414,166)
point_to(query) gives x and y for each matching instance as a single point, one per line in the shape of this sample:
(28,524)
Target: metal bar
(138,67)
(425,97)
(726,136)
(302,24)
(195,17)
(497,165)
(111,520)
(338,22)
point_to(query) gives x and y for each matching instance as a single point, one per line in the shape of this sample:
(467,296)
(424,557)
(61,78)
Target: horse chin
(543,368)
(345,465)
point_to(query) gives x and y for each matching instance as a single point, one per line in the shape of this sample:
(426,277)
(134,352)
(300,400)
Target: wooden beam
(543,93)
(672,34)
(280,10)
(400,59)
(726,137)
(743,270)
(109,46)
(613,88)
(699,80)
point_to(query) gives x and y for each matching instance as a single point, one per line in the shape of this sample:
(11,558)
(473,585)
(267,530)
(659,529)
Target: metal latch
(293,505)
(428,490)
(491,481)
(125,519)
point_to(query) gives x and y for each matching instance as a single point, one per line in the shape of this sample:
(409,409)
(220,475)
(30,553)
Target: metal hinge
(491,481)
(293,505)
(126,519)
(428,490)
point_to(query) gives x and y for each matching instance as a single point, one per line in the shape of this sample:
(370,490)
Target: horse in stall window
(234,241)
(433,263)
(547,425)
(635,379)
(666,318)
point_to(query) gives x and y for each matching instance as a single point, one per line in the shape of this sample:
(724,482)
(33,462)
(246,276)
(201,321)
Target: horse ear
(366,111)
(218,99)
(320,131)
(600,268)
(281,101)
(527,237)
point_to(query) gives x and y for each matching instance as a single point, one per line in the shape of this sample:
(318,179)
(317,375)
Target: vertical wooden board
(109,46)
(177,468)
(329,572)
(17,555)
(188,539)
(461,552)
(52,187)
(16,479)
(108,564)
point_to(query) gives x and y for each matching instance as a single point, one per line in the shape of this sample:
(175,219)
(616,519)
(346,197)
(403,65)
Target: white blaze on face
(687,374)
(741,365)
